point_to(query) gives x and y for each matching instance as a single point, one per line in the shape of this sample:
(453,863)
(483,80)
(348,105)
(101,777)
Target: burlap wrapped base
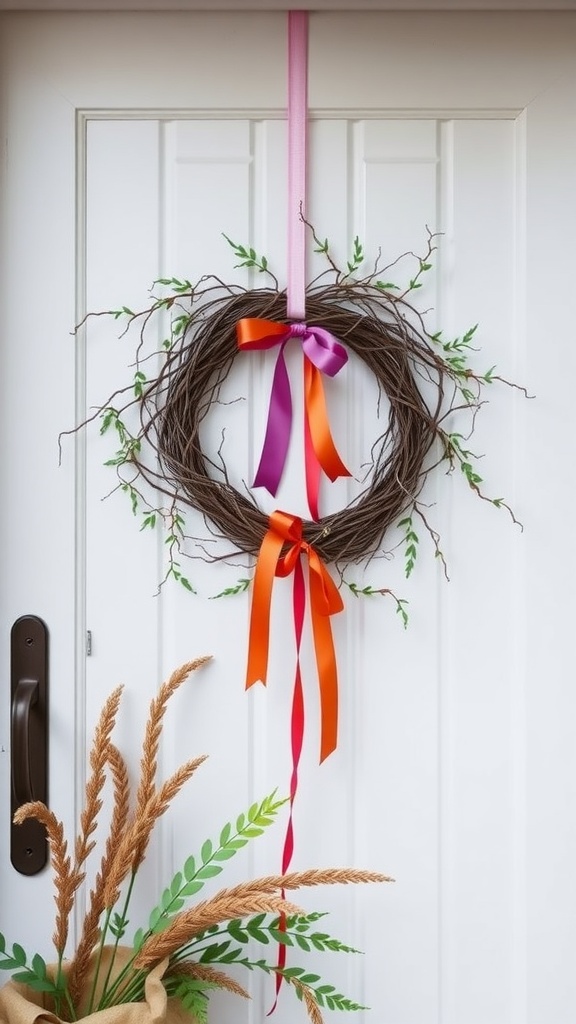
(20,1005)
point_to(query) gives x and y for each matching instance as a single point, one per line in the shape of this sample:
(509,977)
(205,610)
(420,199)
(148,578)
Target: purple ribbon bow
(325,353)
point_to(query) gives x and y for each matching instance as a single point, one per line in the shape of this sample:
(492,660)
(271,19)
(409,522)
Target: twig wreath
(424,377)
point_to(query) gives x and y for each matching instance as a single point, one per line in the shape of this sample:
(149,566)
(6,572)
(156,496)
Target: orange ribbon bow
(280,550)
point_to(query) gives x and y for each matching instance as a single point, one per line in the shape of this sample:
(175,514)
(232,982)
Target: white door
(133,142)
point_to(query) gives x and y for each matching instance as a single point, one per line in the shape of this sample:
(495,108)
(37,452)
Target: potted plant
(187,946)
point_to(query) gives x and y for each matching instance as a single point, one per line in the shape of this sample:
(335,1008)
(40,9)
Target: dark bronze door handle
(25,696)
(28,738)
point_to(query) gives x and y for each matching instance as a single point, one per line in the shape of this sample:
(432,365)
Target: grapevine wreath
(424,378)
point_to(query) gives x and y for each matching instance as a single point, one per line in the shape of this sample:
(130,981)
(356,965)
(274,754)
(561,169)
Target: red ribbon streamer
(297,740)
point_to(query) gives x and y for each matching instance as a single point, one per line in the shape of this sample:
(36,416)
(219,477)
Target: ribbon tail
(297,718)
(312,469)
(258,640)
(317,416)
(277,436)
(327,668)
(297,740)
(280,964)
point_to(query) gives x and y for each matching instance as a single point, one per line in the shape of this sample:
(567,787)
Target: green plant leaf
(224,854)
(215,952)
(38,966)
(209,871)
(19,954)
(191,888)
(282,937)
(237,932)
(189,869)
(35,983)
(225,834)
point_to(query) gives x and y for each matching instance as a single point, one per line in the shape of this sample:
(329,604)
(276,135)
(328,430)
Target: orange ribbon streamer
(319,448)
(317,416)
(281,547)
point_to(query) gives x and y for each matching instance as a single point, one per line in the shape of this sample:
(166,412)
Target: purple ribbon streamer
(329,356)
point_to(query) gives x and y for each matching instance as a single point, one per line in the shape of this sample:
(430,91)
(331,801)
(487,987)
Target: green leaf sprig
(411,542)
(249,258)
(370,591)
(239,588)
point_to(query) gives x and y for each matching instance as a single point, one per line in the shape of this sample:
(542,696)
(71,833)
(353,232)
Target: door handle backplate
(28,739)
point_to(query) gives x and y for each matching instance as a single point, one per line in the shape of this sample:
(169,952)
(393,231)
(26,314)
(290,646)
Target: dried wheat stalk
(137,836)
(99,756)
(302,879)
(121,810)
(150,802)
(191,922)
(169,789)
(149,762)
(204,972)
(90,935)
(60,862)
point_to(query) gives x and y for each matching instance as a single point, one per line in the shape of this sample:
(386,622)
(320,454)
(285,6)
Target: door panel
(455,760)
